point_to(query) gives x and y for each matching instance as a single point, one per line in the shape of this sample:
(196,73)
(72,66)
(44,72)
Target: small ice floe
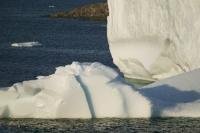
(51,6)
(26,44)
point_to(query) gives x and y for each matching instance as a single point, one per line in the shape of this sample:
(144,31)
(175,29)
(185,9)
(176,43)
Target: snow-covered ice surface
(26,44)
(92,90)
(154,39)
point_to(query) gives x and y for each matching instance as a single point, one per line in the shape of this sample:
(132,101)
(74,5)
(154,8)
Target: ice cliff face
(154,39)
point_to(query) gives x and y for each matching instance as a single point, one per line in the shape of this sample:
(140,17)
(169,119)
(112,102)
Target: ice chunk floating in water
(51,6)
(26,44)
(154,39)
(92,90)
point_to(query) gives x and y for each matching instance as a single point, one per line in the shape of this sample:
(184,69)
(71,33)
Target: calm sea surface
(63,41)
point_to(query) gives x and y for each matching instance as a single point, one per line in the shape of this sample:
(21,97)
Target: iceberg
(154,39)
(88,90)
(26,44)
(92,90)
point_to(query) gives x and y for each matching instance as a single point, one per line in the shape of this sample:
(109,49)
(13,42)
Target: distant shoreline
(96,12)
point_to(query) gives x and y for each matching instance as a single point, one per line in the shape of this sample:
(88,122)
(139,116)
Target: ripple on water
(101,125)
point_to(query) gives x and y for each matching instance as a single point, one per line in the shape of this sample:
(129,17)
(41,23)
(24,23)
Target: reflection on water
(175,125)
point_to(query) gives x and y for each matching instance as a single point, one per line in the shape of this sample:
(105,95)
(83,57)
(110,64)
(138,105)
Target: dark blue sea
(63,40)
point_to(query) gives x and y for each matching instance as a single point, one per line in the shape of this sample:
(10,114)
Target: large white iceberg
(154,39)
(92,90)
(149,40)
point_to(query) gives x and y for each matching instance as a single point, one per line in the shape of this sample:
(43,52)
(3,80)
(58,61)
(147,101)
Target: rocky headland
(97,12)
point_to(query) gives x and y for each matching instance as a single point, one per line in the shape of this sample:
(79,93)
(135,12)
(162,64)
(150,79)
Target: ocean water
(157,125)
(63,40)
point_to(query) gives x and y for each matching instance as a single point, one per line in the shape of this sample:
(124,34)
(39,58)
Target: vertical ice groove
(87,96)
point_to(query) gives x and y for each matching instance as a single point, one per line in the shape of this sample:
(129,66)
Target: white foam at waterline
(26,44)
